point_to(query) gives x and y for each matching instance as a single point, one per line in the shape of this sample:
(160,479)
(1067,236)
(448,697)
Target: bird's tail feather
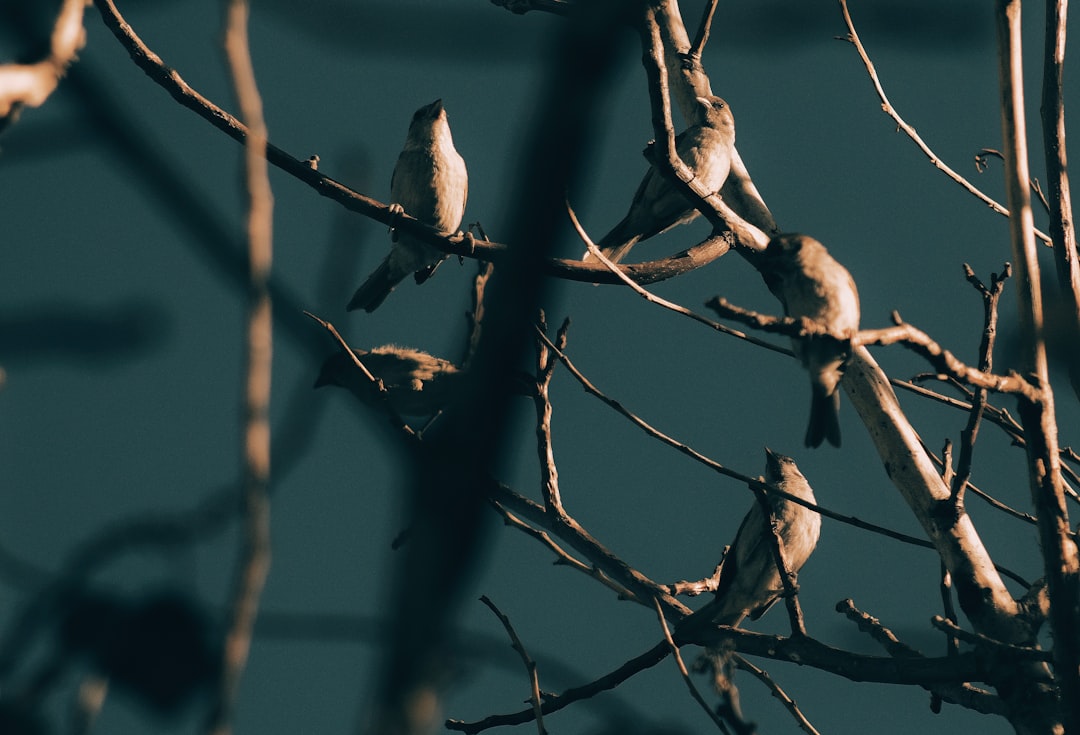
(615,245)
(824,419)
(375,289)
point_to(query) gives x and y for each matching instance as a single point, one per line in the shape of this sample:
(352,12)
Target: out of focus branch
(253,564)
(31,84)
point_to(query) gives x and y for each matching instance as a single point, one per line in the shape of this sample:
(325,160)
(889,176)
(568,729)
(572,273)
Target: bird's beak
(772,460)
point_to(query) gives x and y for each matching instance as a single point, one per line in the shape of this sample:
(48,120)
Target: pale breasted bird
(416,383)
(429,183)
(749,578)
(658,205)
(810,283)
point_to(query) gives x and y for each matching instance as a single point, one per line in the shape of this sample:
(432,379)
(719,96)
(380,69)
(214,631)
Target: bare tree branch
(886,106)
(1062,229)
(684,673)
(530,665)
(254,562)
(1060,558)
(789,703)
(31,84)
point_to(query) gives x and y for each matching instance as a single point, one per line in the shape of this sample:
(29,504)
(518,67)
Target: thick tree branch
(1062,228)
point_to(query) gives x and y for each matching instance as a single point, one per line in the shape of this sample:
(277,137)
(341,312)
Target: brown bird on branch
(416,383)
(430,183)
(658,205)
(749,579)
(810,283)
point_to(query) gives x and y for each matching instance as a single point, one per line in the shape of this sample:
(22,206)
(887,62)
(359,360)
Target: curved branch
(888,109)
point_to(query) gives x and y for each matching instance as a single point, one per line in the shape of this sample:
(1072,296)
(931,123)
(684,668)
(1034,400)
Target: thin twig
(990,297)
(475,316)
(788,577)
(945,361)
(872,626)
(545,367)
(777,691)
(981,165)
(704,28)
(963,694)
(684,672)
(886,106)
(376,385)
(659,301)
(530,665)
(554,703)
(562,556)
(952,643)
(1028,652)
(700,587)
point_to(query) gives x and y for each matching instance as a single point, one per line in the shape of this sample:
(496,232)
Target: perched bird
(749,580)
(658,205)
(429,183)
(811,283)
(417,384)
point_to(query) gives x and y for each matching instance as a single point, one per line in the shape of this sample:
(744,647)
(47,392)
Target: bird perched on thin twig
(811,283)
(749,579)
(430,183)
(658,205)
(416,383)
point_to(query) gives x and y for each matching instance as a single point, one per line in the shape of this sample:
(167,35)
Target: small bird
(749,580)
(416,383)
(811,283)
(430,183)
(658,205)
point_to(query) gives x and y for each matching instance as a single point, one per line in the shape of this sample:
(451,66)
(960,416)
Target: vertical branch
(990,297)
(1062,231)
(702,37)
(545,367)
(535,696)
(688,81)
(254,562)
(1059,550)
